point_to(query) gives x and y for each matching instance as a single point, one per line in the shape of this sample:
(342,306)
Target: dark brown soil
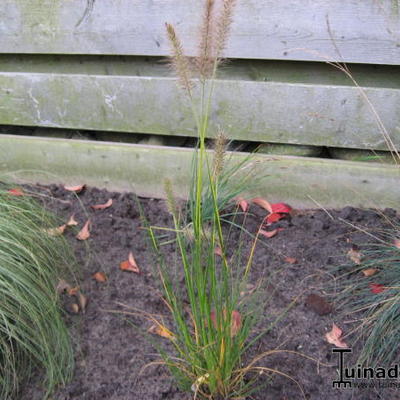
(111,354)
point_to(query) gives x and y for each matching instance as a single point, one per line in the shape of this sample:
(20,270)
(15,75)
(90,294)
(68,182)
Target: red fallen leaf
(218,251)
(103,206)
(334,337)
(268,234)
(16,192)
(129,264)
(376,288)
(281,208)
(262,203)
(76,188)
(274,217)
(236,321)
(100,277)
(291,260)
(84,233)
(71,221)
(396,243)
(243,204)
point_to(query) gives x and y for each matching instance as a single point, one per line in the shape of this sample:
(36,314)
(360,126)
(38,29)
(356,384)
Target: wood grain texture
(357,31)
(319,115)
(142,169)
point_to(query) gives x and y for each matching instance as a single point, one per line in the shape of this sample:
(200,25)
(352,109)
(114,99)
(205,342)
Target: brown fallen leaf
(73,291)
(396,243)
(103,206)
(334,337)
(218,251)
(74,308)
(56,231)
(291,260)
(268,234)
(354,255)
(262,203)
(130,264)
(71,221)
(161,330)
(82,301)
(100,276)
(76,188)
(84,232)
(369,271)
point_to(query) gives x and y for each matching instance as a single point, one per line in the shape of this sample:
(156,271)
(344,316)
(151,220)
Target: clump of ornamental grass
(369,297)
(33,334)
(369,292)
(213,320)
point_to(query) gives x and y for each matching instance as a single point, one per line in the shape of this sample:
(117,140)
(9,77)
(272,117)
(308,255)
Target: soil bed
(111,354)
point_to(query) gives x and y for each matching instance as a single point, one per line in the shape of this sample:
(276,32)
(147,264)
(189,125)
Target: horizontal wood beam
(280,112)
(354,31)
(299,181)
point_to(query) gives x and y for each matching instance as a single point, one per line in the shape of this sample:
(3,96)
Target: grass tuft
(32,332)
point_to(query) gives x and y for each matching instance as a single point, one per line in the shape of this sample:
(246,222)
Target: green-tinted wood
(297,180)
(297,113)
(359,31)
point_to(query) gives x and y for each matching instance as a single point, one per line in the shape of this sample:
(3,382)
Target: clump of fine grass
(32,332)
(372,303)
(213,320)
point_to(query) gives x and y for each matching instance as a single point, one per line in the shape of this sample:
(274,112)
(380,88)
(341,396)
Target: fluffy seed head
(179,61)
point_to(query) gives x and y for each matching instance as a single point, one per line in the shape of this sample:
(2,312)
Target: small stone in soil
(318,304)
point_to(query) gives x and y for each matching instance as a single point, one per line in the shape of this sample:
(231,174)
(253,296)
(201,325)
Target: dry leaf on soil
(281,208)
(75,308)
(291,260)
(376,288)
(218,251)
(274,217)
(16,192)
(130,264)
(56,231)
(369,271)
(243,204)
(262,203)
(103,206)
(334,337)
(84,233)
(76,188)
(268,234)
(71,221)
(354,255)
(82,301)
(100,276)
(73,291)
(161,330)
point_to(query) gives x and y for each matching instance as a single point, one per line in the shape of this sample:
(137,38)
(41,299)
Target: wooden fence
(96,66)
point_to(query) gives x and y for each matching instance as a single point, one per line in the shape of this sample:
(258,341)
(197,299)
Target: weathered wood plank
(297,180)
(364,31)
(319,115)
